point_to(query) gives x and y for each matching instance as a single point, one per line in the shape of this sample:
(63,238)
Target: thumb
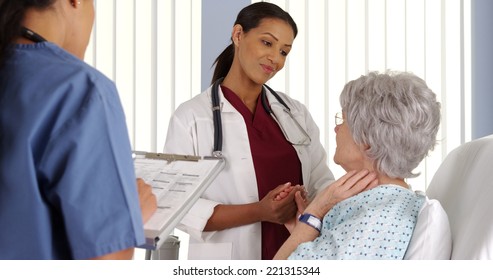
(300,202)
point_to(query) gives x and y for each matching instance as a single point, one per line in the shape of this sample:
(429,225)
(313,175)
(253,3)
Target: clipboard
(177,181)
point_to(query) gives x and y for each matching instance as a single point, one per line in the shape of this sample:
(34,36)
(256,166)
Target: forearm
(348,185)
(301,233)
(230,216)
(126,254)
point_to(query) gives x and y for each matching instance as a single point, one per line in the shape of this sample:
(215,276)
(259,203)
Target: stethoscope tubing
(216,113)
(216,116)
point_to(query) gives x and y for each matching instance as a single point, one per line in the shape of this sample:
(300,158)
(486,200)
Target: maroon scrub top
(275,162)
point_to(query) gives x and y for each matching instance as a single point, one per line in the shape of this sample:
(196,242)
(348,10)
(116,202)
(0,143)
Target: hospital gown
(375,224)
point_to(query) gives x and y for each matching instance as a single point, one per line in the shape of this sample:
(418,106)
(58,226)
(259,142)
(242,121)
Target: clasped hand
(352,183)
(279,205)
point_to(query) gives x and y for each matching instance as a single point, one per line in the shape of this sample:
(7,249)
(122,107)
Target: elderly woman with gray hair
(388,124)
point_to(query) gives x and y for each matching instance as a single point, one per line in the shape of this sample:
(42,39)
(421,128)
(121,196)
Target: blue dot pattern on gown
(375,224)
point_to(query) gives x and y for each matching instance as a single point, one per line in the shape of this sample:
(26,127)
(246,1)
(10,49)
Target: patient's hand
(301,203)
(348,185)
(285,192)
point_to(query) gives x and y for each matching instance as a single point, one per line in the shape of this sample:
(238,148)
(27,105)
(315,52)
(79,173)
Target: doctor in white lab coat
(191,131)
(233,197)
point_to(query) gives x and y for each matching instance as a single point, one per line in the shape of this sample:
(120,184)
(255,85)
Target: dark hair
(11,15)
(249,18)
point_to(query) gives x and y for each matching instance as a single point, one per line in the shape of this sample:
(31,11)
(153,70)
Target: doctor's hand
(279,205)
(147,200)
(301,204)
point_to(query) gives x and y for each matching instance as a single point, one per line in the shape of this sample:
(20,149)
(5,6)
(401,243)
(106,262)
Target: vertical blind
(151,49)
(339,41)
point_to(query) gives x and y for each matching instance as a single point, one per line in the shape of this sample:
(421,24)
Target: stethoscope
(31,35)
(291,128)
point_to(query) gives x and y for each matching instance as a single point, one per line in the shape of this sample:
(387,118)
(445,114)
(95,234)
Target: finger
(141,184)
(302,190)
(282,187)
(284,194)
(363,183)
(274,194)
(372,185)
(355,178)
(300,202)
(339,182)
(281,195)
(290,196)
(304,193)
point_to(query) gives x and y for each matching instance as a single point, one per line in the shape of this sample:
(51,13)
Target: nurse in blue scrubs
(67,183)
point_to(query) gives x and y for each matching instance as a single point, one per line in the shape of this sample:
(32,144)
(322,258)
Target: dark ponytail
(11,15)
(249,18)
(223,63)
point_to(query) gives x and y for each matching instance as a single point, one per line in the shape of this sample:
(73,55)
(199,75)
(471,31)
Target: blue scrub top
(67,182)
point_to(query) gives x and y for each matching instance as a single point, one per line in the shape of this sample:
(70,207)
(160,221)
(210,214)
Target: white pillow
(432,239)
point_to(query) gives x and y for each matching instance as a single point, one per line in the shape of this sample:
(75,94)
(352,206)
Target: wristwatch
(311,220)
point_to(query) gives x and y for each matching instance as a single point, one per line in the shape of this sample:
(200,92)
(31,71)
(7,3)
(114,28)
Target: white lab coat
(191,131)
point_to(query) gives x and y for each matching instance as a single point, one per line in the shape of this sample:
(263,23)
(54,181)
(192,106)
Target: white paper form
(177,184)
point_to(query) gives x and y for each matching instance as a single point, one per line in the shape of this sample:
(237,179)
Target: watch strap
(311,220)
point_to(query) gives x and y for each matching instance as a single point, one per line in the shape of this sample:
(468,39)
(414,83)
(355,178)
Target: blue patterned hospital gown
(375,224)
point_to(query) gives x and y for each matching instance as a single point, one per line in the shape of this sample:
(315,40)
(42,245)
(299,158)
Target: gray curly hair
(396,115)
